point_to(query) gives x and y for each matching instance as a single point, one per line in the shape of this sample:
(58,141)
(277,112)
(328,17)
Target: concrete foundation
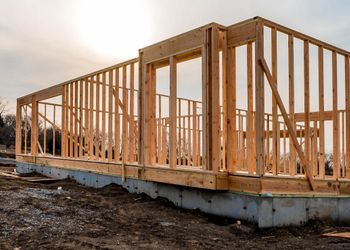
(266,211)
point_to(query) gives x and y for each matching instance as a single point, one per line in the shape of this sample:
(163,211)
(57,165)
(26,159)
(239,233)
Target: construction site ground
(66,215)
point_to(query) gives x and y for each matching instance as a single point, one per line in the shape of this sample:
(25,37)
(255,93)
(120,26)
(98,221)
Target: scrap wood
(27,178)
(345,235)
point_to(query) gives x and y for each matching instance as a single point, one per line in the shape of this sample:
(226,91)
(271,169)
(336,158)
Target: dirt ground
(40,216)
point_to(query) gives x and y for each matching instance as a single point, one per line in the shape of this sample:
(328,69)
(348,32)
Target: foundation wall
(272,211)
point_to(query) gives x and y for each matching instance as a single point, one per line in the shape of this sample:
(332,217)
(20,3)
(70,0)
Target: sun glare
(114,28)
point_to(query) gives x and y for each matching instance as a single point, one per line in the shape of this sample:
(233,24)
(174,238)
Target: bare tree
(3,106)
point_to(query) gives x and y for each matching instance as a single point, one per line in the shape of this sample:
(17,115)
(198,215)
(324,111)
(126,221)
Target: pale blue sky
(49,41)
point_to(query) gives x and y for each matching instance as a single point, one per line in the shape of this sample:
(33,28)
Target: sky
(46,42)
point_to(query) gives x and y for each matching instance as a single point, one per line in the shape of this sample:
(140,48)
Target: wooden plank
(314,149)
(347,103)
(175,45)
(183,177)
(336,134)
(292,159)
(250,113)
(45,115)
(63,121)
(132,116)
(54,132)
(321,113)
(116,117)
(125,112)
(25,129)
(18,128)
(179,137)
(344,235)
(215,116)
(242,34)
(34,128)
(275,123)
(71,121)
(110,115)
(98,110)
(307,136)
(172,115)
(91,119)
(259,101)
(224,55)
(103,114)
(159,130)
(304,162)
(81,101)
(195,135)
(189,132)
(211,88)
(75,119)
(56,90)
(231,111)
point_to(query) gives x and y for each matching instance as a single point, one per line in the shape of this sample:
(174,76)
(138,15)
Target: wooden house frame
(108,123)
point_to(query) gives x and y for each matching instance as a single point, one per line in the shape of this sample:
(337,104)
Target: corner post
(259,100)
(211,99)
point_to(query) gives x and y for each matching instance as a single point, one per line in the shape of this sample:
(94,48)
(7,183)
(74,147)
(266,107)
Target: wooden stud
(250,113)
(321,111)
(347,110)
(275,123)
(336,134)
(292,160)
(231,111)
(307,102)
(110,115)
(259,100)
(18,129)
(97,134)
(80,118)
(76,119)
(71,121)
(116,117)
(172,115)
(132,116)
(304,163)
(91,119)
(125,112)
(103,143)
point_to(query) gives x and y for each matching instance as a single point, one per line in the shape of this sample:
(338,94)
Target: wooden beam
(231,111)
(97,134)
(321,112)
(110,116)
(241,34)
(307,102)
(347,103)
(76,99)
(116,117)
(18,128)
(259,101)
(275,123)
(304,163)
(336,134)
(132,116)
(91,119)
(125,114)
(34,127)
(250,112)
(292,159)
(103,142)
(172,108)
